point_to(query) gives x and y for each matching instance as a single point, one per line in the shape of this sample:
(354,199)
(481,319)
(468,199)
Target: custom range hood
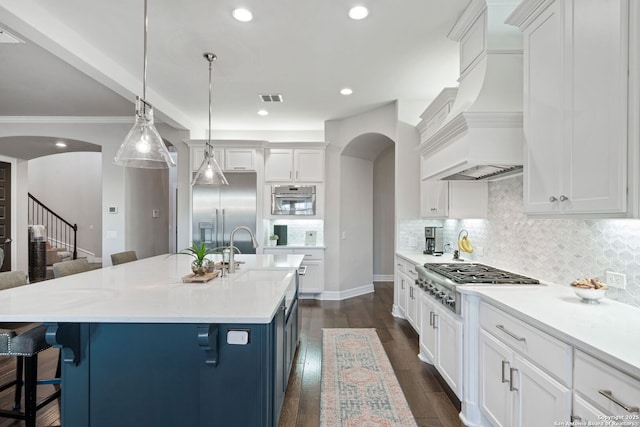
(481,137)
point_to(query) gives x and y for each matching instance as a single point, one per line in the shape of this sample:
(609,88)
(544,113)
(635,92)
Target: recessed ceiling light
(242,15)
(61,144)
(263,113)
(346,91)
(358,12)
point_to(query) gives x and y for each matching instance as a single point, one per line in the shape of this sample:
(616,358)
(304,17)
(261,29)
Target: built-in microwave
(293,200)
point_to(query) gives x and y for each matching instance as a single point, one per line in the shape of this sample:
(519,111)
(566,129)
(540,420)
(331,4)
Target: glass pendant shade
(143,146)
(209,172)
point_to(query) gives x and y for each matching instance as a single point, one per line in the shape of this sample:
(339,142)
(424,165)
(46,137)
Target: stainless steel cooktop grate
(479,273)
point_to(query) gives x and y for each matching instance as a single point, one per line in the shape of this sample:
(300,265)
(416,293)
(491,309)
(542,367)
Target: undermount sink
(263,276)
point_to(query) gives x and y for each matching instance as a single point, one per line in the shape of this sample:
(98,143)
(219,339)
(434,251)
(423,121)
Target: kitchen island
(142,348)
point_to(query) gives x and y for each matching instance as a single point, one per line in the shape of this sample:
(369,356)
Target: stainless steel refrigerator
(217,210)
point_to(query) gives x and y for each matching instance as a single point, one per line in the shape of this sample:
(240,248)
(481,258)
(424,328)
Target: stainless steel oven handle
(511,334)
(609,395)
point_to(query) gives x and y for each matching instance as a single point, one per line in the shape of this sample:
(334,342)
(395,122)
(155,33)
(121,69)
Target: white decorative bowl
(590,296)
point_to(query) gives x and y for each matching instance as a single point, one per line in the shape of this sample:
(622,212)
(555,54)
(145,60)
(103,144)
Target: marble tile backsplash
(555,250)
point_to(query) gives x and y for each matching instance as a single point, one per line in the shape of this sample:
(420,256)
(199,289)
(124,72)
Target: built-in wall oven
(293,200)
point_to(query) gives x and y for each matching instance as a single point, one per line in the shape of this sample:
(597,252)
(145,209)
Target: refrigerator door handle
(215,230)
(224,243)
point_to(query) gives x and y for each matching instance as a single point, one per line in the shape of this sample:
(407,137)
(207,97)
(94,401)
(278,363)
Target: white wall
(338,134)
(383,212)
(147,190)
(71,185)
(356,223)
(114,183)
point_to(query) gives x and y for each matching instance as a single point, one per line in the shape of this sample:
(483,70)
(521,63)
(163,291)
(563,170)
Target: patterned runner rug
(359,387)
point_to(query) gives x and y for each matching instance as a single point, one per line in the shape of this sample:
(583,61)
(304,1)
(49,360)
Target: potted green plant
(273,239)
(200,262)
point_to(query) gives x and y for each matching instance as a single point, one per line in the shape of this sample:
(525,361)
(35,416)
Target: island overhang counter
(142,348)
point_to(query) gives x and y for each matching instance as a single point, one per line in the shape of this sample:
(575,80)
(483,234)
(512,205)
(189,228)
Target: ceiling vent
(271,98)
(7,37)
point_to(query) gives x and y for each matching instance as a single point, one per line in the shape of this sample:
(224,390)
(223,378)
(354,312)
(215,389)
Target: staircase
(60,232)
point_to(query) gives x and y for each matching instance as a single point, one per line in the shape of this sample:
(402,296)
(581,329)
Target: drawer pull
(511,371)
(302,271)
(413,272)
(609,395)
(511,334)
(504,363)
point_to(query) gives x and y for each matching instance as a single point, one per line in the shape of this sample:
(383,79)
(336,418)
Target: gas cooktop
(479,273)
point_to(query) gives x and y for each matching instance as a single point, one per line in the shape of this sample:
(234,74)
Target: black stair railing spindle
(59,230)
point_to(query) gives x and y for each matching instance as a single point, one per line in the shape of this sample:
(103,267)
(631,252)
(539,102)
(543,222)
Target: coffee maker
(433,241)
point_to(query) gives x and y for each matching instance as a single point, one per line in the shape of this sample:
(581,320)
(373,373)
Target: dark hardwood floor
(425,394)
(424,391)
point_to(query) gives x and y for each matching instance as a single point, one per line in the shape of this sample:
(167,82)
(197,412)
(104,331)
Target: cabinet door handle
(435,321)
(402,283)
(504,363)
(511,371)
(511,334)
(609,395)
(563,198)
(431,318)
(297,174)
(239,168)
(553,199)
(290,175)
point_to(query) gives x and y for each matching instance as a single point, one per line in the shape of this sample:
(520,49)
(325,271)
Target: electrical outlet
(615,280)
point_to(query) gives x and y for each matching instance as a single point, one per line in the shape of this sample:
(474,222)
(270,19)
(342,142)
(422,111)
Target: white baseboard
(349,293)
(383,277)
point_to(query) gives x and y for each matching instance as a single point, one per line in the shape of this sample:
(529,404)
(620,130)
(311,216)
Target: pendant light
(143,146)
(209,172)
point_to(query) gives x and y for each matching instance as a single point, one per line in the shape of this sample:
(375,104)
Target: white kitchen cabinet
(609,390)
(453,199)
(514,392)
(441,341)
(400,289)
(229,159)
(524,374)
(584,412)
(412,306)
(313,280)
(294,165)
(576,88)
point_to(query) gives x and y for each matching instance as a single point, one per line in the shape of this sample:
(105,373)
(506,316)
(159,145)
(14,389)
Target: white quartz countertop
(151,291)
(609,330)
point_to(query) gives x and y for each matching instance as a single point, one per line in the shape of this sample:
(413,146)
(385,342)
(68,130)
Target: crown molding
(66,119)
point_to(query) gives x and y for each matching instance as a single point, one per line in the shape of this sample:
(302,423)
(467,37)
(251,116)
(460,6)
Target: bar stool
(67,268)
(25,347)
(123,257)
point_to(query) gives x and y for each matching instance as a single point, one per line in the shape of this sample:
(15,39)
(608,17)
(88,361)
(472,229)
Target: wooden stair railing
(59,230)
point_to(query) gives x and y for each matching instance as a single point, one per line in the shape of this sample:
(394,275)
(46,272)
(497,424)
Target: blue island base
(124,374)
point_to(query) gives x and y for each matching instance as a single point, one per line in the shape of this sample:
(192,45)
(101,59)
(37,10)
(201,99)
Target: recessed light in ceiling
(346,91)
(61,144)
(358,12)
(263,113)
(242,15)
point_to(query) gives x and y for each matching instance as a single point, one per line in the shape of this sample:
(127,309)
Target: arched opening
(367,210)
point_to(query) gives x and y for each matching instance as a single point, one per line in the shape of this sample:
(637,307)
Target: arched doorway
(367,206)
